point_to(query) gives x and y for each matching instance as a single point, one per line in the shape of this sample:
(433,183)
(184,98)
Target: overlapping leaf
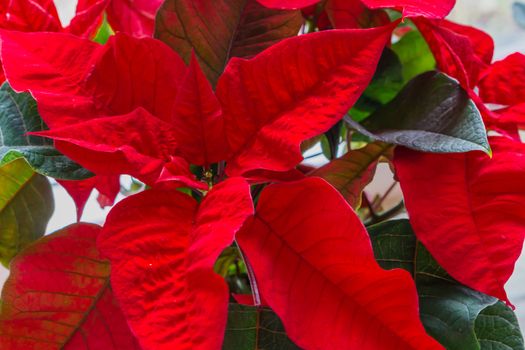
(504,82)
(460,318)
(350,173)
(327,288)
(432,114)
(293,91)
(18,116)
(410,8)
(468,207)
(219,30)
(58,297)
(26,204)
(162,247)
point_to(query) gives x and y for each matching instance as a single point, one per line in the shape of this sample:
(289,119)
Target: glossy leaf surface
(26,204)
(163,240)
(219,30)
(460,318)
(325,287)
(350,173)
(252,328)
(58,297)
(18,116)
(471,211)
(278,99)
(431,114)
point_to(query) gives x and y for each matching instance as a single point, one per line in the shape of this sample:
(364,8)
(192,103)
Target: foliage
(227,239)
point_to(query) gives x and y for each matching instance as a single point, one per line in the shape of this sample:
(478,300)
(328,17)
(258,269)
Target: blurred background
(504,20)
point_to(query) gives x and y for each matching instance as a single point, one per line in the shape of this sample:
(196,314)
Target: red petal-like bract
(198,123)
(504,82)
(468,208)
(58,297)
(314,264)
(293,91)
(107,186)
(162,246)
(42,16)
(136,18)
(287,4)
(411,8)
(74,79)
(462,52)
(349,14)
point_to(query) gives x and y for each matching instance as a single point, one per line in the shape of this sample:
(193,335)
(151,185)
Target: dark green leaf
(18,116)
(497,329)
(387,80)
(253,328)
(220,29)
(457,316)
(414,54)
(431,114)
(26,204)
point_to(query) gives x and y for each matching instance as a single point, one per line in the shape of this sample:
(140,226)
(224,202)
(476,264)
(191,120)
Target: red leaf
(88,17)
(198,122)
(108,187)
(136,18)
(412,8)
(75,80)
(58,296)
(460,51)
(220,29)
(468,208)
(137,144)
(504,81)
(348,14)
(315,266)
(289,4)
(293,91)
(162,247)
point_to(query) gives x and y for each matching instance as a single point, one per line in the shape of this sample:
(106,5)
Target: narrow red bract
(468,207)
(411,8)
(504,82)
(162,246)
(278,99)
(136,18)
(315,267)
(58,296)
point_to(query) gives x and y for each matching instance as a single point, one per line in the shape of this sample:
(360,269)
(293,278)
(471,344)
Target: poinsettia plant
(232,240)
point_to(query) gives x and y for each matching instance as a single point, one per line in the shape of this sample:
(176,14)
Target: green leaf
(455,315)
(26,204)
(255,328)
(431,114)
(497,329)
(103,32)
(387,80)
(414,54)
(350,173)
(18,116)
(218,30)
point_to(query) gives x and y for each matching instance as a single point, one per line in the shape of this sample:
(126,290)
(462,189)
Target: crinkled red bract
(468,208)
(315,267)
(162,246)
(504,82)
(136,18)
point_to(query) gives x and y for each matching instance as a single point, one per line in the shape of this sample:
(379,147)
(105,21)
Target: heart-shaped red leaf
(293,91)
(58,297)
(162,246)
(468,207)
(315,266)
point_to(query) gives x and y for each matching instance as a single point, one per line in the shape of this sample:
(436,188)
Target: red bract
(315,267)
(504,82)
(348,14)
(468,207)
(58,296)
(136,18)
(276,100)
(288,4)
(162,246)
(411,8)
(462,52)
